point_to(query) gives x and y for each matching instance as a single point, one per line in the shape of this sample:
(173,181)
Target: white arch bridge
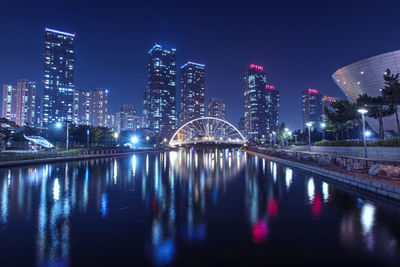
(207,130)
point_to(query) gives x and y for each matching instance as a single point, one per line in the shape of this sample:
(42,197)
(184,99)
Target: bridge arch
(207,130)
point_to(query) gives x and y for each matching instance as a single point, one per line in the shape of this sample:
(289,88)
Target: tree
(378,108)
(341,116)
(391,92)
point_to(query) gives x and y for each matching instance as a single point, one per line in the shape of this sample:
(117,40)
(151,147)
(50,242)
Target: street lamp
(116,135)
(59,125)
(323,125)
(309,124)
(363,111)
(147,140)
(87,137)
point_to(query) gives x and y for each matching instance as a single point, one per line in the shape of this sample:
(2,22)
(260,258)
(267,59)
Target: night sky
(299,43)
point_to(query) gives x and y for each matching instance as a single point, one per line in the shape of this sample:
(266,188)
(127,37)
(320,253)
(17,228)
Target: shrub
(392,142)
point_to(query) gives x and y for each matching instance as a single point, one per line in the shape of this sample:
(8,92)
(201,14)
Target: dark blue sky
(299,43)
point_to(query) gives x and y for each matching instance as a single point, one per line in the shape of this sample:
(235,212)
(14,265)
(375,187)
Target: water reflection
(181,199)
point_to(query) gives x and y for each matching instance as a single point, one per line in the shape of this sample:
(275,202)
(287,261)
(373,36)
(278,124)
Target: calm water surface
(189,207)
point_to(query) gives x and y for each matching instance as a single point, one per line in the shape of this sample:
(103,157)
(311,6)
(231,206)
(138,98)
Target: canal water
(189,207)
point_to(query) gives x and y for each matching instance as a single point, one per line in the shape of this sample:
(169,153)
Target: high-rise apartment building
(162,90)
(26,107)
(90,107)
(312,107)
(255,106)
(98,107)
(272,99)
(9,103)
(192,92)
(58,94)
(216,108)
(19,103)
(81,107)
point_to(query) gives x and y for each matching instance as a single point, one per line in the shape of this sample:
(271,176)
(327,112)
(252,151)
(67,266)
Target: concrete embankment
(15,163)
(380,186)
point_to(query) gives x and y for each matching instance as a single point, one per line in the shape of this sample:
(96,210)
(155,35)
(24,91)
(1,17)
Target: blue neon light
(160,46)
(60,32)
(193,63)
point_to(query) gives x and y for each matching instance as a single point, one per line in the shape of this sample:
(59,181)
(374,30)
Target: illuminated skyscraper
(216,108)
(162,90)
(312,107)
(255,106)
(272,99)
(59,56)
(192,94)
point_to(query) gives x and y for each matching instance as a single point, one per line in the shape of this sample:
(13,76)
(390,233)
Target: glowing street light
(323,126)
(116,135)
(363,111)
(309,124)
(134,140)
(58,125)
(368,133)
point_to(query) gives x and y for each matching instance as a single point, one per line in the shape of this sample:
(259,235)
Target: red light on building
(257,67)
(312,91)
(270,87)
(329,98)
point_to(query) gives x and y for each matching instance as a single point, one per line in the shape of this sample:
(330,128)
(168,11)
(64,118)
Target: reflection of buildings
(366,76)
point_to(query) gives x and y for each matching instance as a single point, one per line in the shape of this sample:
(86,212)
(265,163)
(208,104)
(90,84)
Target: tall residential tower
(162,90)
(192,94)
(58,94)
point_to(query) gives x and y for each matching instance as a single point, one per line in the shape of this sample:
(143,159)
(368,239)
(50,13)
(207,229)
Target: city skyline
(278,55)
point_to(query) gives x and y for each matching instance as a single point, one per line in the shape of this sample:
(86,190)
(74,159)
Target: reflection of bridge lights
(310,189)
(325,191)
(288,178)
(115,171)
(134,164)
(56,190)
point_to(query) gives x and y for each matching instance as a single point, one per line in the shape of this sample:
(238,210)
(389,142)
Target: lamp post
(289,133)
(363,111)
(323,125)
(87,137)
(147,140)
(116,135)
(59,125)
(309,124)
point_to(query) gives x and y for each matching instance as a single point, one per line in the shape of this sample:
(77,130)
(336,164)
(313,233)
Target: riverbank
(78,156)
(382,186)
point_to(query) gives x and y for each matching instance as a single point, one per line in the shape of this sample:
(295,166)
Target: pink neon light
(257,67)
(312,91)
(270,87)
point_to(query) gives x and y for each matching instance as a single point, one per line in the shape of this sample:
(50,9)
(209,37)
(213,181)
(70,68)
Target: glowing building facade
(272,99)
(192,94)
(161,109)
(59,57)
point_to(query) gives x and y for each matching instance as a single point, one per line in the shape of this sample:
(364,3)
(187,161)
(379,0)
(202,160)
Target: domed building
(366,76)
